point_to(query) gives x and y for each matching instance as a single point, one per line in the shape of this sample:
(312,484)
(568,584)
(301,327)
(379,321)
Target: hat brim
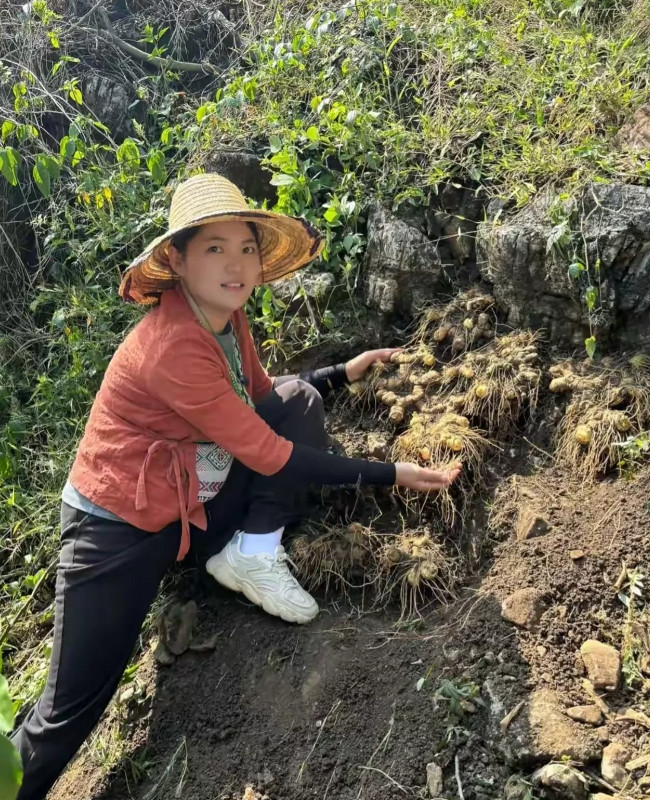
(286,244)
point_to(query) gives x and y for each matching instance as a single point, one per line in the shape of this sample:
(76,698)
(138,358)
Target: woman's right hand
(422,479)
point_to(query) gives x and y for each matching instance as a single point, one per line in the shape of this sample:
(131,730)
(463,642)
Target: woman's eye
(249,249)
(216,248)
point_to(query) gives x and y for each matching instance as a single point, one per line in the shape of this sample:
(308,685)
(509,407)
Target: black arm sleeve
(324,380)
(310,465)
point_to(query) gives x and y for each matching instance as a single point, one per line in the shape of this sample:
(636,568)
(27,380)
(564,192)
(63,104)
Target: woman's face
(221,265)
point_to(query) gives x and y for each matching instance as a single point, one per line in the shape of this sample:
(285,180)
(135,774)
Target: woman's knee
(305,406)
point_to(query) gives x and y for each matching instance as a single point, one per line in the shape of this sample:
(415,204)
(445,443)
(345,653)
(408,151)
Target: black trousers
(109,574)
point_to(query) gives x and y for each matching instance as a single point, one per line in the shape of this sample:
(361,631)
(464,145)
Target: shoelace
(278,564)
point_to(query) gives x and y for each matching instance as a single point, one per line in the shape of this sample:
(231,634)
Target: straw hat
(286,243)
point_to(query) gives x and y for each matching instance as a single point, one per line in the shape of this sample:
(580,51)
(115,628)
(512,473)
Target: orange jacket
(167,387)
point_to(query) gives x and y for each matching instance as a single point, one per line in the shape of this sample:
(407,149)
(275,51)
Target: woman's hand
(356,368)
(422,479)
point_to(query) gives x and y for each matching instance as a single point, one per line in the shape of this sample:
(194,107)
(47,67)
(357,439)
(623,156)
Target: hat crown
(203,196)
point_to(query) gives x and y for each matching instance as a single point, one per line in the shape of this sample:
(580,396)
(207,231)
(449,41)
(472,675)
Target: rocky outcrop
(402,271)
(532,259)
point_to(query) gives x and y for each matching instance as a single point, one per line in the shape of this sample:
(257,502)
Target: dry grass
(411,567)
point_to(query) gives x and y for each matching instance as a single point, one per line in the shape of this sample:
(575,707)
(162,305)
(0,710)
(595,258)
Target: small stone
(590,715)
(434,779)
(563,781)
(612,766)
(205,645)
(489,658)
(530,524)
(562,611)
(576,555)
(603,664)
(524,607)
(177,626)
(541,651)
(516,788)
(162,654)
(378,446)
(127,694)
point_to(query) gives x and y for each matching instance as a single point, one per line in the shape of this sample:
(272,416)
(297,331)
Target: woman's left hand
(356,368)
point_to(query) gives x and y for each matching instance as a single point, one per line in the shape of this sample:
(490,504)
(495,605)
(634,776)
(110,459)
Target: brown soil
(333,710)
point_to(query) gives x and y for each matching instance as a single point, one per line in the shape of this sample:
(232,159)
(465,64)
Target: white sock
(254,543)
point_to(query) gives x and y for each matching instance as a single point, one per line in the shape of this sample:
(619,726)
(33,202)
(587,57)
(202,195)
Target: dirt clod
(205,644)
(603,664)
(177,626)
(523,607)
(531,524)
(590,715)
(162,654)
(543,732)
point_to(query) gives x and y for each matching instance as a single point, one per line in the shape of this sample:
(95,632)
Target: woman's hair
(184,237)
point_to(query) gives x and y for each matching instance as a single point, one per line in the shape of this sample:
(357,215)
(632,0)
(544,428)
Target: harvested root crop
(415,568)
(590,437)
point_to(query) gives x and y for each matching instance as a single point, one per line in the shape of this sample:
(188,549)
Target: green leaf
(275,143)
(575,269)
(54,39)
(42,175)
(156,166)
(128,152)
(331,215)
(204,110)
(591,295)
(53,167)
(281,180)
(67,147)
(167,136)
(6,710)
(10,158)
(11,770)
(590,346)
(8,127)
(312,133)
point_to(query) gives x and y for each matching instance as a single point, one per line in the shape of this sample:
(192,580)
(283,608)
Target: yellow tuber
(622,423)
(583,434)
(559,385)
(425,454)
(481,391)
(402,358)
(467,372)
(454,443)
(468,323)
(450,374)
(358,388)
(441,333)
(396,414)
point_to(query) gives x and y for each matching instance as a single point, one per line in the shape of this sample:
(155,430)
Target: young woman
(188,442)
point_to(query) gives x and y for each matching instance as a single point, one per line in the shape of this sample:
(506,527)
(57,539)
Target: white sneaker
(265,580)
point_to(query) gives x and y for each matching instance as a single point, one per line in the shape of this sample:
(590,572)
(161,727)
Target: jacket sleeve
(191,381)
(260,382)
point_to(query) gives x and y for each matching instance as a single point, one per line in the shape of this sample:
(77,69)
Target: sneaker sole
(223,573)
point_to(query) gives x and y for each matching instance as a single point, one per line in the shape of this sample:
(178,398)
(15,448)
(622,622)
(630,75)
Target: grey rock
(162,654)
(531,280)
(316,287)
(562,781)
(245,171)
(523,607)
(177,627)
(612,766)
(109,100)
(516,788)
(205,644)
(434,779)
(402,268)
